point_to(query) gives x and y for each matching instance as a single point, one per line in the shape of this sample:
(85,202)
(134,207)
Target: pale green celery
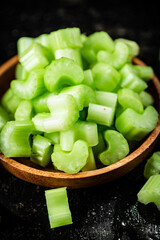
(91,163)
(150,192)
(64,113)
(100,147)
(106,78)
(30,88)
(88,78)
(117,59)
(117,147)
(146,98)
(24,111)
(127,98)
(20,72)
(144,72)
(23,44)
(71,53)
(83,37)
(10,101)
(66,38)
(107,99)
(14,138)
(152,166)
(54,137)
(82,94)
(81,130)
(130,79)
(36,56)
(41,150)
(44,40)
(4,117)
(58,207)
(62,72)
(40,102)
(88,55)
(132,44)
(71,162)
(135,126)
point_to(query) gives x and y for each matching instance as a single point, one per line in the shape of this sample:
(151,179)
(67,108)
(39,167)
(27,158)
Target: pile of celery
(76,101)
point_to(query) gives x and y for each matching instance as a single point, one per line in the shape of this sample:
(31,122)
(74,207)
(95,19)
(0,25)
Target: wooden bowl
(48,177)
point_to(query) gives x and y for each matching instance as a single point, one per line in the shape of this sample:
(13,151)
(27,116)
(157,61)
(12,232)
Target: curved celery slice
(150,192)
(71,162)
(14,138)
(91,163)
(58,208)
(146,98)
(152,166)
(40,102)
(23,44)
(41,150)
(135,126)
(127,98)
(117,148)
(135,49)
(106,78)
(120,55)
(30,88)
(4,117)
(20,72)
(62,72)
(24,111)
(54,137)
(144,72)
(83,95)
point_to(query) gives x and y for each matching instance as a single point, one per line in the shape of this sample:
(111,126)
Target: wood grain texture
(48,177)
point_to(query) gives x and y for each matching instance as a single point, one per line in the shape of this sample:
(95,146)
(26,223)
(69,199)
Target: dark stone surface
(107,212)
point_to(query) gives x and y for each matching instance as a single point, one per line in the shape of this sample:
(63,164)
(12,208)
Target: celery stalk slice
(146,98)
(91,163)
(40,102)
(54,137)
(24,111)
(4,117)
(132,44)
(152,166)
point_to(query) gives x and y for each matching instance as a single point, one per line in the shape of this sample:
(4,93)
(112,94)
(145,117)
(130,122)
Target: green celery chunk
(152,166)
(117,59)
(135,49)
(40,102)
(23,44)
(88,78)
(130,79)
(30,88)
(24,111)
(106,78)
(107,99)
(91,163)
(14,138)
(41,150)
(146,98)
(64,113)
(58,207)
(150,192)
(4,117)
(20,72)
(71,162)
(127,98)
(44,40)
(82,94)
(135,126)
(117,147)
(36,56)
(54,137)
(66,38)
(62,72)
(144,72)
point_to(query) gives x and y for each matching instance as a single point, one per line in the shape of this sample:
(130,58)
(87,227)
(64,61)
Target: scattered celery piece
(24,111)
(152,166)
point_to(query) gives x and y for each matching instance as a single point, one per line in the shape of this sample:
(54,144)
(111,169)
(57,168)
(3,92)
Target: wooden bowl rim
(61,175)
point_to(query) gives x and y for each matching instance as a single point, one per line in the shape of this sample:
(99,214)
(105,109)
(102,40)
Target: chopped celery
(44,40)
(58,208)
(24,111)
(88,78)
(54,137)
(40,102)
(146,98)
(20,72)
(132,44)
(4,117)
(152,167)
(91,163)
(100,147)
(23,44)
(144,72)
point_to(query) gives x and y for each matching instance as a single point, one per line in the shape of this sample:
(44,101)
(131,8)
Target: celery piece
(152,166)
(30,88)
(100,147)
(71,53)
(4,117)
(10,101)
(88,78)
(135,126)
(82,94)
(41,150)
(146,98)
(24,111)
(117,147)
(127,98)
(91,163)
(40,102)
(66,38)
(118,57)
(58,208)
(14,138)
(54,137)
(130,79)
(106,78)
(62,72)
(71,162)
(23,44)
(107,99)
(44,40)
(20,72)
(144,72)
(150,192)
(135,49)
(64,113)
(36,56)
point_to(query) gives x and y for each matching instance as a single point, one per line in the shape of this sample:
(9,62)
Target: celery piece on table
(146,98)
(24,111)
(4,117)
(58,207)
(152,166)
(117,147)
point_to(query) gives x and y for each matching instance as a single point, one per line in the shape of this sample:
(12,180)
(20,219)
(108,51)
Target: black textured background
(107,212)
